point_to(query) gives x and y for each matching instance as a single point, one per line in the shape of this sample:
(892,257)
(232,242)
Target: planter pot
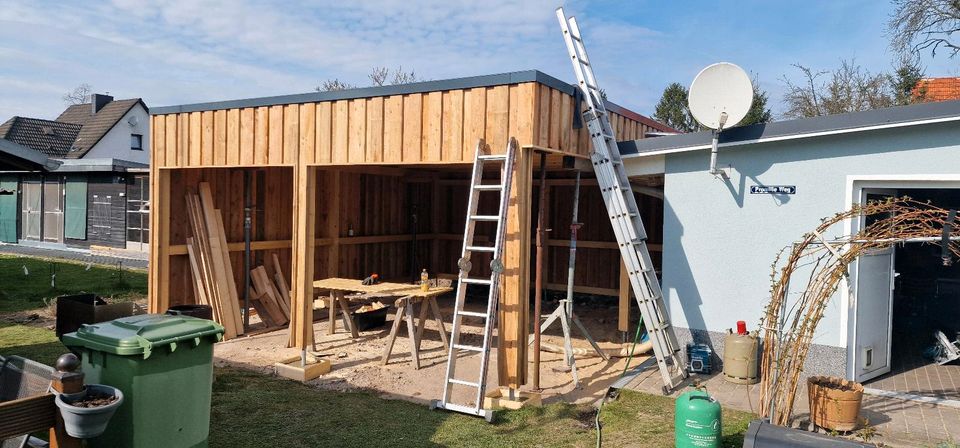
(834,402)
(84,423)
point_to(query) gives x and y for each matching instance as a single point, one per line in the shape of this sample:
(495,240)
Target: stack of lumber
(213,282)
(272,301)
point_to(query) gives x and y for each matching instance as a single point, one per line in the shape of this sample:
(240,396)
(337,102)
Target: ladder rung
(493,157)
(472,348)
(485,218)
(463,383)
(488,187)
(475,281)
(481,248)
(472,314)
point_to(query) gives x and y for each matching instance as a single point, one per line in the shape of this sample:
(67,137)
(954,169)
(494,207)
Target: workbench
(409,296)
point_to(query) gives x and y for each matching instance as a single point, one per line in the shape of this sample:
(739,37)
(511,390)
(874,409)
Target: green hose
(636,338)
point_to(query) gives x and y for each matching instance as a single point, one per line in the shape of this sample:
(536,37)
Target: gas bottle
(697,420)
(740,358)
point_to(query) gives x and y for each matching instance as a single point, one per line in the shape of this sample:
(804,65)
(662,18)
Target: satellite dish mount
(720,97)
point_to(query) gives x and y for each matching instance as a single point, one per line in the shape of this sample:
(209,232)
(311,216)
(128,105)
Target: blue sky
(184,51)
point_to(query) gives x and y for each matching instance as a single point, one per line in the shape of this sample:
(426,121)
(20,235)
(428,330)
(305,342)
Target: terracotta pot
(834,402)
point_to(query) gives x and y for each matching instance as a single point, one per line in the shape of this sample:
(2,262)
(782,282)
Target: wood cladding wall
(419,128)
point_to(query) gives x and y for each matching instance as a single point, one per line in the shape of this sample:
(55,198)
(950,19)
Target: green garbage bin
(163,365)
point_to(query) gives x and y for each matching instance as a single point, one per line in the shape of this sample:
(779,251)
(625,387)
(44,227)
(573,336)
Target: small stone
(342,355)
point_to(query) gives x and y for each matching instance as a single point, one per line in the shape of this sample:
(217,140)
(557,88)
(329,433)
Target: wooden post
(159,281)
(304,234)
(65,380)
(332,205)
(538,293)
(623,310)
(514,297)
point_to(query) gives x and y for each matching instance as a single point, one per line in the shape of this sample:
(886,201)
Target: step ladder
(623,211)
(478,380)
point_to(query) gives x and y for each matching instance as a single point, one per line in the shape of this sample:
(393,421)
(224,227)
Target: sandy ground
(357,363)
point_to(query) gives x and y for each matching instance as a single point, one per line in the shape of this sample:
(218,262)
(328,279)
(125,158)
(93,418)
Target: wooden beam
(584,289)
(159,284)
(623,308)
(514,298)
(333,222)
(301,306)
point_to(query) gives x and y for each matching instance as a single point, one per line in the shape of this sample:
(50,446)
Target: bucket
(371,319)
(85,423)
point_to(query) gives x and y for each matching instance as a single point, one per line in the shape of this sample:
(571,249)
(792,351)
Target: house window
(136,142)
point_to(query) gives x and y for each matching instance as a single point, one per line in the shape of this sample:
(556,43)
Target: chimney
(98,100)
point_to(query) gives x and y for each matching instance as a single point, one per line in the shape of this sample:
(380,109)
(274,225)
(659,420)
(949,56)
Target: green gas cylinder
(697,420)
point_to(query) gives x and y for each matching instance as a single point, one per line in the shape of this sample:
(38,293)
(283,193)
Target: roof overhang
(887,118)
(100,166)
(16,157)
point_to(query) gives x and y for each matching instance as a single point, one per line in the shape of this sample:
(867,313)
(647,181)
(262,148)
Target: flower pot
(834,402)
(87,422)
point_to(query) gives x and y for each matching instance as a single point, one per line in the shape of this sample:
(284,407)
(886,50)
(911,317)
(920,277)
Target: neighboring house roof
(95,126)
(52,138)
(405,89)
(16,157)
(890,117)
(938,89)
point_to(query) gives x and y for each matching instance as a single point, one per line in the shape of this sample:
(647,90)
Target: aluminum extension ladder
(623,212)
(464,280)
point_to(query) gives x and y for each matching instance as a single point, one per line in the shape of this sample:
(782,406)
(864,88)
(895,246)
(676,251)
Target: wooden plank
(291,133)
(267,295)
(233,137)
(567,133)
(357,132)
(556,125)
(452,126)
(527,111)
(275,147)
(261,147)
(498,118)
(281,283)
(158,144)
(196,139)
(412,123)
(255,246)
(218,135)
(432,127)
(206,139)
(324,136)
(375,129)
(183,140)
(172,139)
(247,136)
(340,127)
(223,271)
(475,120)
(199,288)
(308,132)
(543,125)
(393,129)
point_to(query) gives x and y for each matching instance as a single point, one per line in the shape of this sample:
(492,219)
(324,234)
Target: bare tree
(402,77)
(850,88)
(332,85)
(378,77)
(918,25)
(79,95)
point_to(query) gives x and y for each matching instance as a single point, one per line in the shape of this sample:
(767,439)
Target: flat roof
(890,117)
(17,154)
(405,89)
(98,165)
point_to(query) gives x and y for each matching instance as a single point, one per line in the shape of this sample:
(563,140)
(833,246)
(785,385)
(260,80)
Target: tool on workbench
(373,279)
(623,211)
(477,186)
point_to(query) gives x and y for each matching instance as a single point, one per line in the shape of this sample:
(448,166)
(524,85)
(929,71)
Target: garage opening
(925,300)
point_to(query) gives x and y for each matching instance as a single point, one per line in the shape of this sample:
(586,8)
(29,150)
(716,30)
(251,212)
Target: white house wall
(116,144)
(720,240)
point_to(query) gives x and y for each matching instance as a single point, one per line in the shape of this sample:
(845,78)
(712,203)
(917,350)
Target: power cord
(636,338)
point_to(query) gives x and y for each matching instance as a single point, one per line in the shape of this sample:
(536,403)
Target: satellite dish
(133,120)
(720,96)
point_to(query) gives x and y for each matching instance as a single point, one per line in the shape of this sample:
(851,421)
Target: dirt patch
(357,363)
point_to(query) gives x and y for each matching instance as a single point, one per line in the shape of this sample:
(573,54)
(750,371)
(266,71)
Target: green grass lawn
(254,410)
(20,292)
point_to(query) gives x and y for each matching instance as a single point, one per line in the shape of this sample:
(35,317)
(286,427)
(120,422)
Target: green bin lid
(141,334)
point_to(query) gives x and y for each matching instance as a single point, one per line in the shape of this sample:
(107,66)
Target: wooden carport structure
(338,173)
